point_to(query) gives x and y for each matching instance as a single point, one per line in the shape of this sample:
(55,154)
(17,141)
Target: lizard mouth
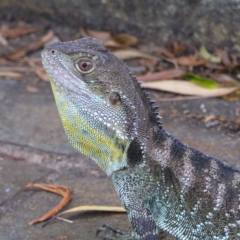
(57,72)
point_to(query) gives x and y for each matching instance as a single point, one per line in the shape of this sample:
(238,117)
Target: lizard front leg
(144,228)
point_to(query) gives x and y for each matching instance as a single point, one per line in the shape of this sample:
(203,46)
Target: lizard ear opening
(114,98)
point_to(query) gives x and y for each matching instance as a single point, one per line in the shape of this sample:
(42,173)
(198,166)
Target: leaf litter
(202,70)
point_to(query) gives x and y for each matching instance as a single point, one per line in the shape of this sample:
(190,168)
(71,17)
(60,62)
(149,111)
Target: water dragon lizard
(162,183)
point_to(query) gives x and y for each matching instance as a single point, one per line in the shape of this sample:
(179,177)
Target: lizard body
(162,183)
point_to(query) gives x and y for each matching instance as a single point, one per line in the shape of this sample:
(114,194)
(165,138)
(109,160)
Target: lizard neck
(96,141)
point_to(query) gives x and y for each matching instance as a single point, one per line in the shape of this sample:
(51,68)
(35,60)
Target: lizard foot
(113,233)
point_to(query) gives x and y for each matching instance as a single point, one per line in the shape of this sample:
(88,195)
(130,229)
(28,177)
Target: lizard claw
(114,233)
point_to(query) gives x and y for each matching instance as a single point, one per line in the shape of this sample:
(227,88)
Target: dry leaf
(234,59)
(188,88)
(126,54)
(10,74)
(222,78)
(190,61)
(137,69)
(89,208)
(15,69)
(125,39)
(150,64)
(164,51)
(208,56)
(61,190)
(63,237)
(209,118)
(39,70)
(4,61)
(178,48)
(52,40)
(31,47)
(105,37)
(167,74)
(41,73)
(83,33)
(101,35)
(19,31)
(3,41)
(111,44)
(31,89)
(223,55)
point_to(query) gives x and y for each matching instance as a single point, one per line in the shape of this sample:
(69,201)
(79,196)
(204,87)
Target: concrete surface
(34,148)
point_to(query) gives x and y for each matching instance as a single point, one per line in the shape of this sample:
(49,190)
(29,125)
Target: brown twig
(61,190)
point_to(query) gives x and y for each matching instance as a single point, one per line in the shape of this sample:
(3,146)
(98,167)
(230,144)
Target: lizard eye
(85,66)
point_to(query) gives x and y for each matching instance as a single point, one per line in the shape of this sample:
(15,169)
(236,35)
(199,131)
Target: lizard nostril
(53,51)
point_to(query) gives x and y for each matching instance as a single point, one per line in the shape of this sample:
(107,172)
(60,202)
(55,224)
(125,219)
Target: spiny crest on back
(153,108)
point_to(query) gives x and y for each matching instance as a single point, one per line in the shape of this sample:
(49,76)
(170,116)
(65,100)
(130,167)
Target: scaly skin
(162,183)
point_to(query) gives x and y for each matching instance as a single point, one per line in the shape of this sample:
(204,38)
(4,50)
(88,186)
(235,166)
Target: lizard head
(100,102)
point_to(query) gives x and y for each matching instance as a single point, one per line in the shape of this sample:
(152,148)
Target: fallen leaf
(164,51)
(209,118)
(15,69)
(111,44)
(4,61)
(86,208)
(173,61)
(150,64)
(89,208)
(9,74)
(30,47)
(207,56)
(126,54)
(63,237)
(52,40)
(101,35)
(19,31)
(61,190)
(222,78)
(3,41)
(234,60)
(234,96)
(137,69)
(223,55)
(178,48)
(125,39)
(190,60)
(39,71)
(83,33)
(167,74)
(105,37)
(201,81)
(31,89)
(187,88)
